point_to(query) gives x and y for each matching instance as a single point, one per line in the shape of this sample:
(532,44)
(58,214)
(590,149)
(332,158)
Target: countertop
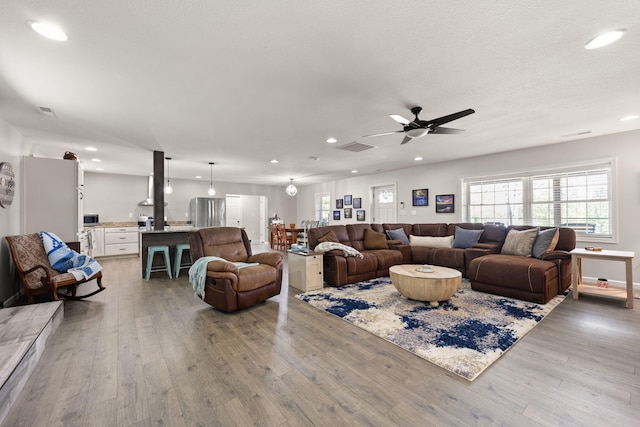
(177,229)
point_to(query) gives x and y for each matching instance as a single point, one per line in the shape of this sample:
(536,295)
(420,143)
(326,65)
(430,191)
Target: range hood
(149,200)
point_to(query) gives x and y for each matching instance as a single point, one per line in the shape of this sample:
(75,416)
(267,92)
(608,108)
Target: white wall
(115,197)
(445,178)
(11,149)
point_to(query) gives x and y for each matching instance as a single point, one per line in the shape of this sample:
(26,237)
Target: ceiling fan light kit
(417,128)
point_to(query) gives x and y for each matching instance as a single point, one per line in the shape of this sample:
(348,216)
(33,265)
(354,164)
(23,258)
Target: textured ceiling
(240,83)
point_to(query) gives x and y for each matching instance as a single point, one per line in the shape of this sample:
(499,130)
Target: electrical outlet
(130,214)
(186,214)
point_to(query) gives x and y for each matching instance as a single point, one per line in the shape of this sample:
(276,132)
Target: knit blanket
(64,259)
(198,272)
(330,246)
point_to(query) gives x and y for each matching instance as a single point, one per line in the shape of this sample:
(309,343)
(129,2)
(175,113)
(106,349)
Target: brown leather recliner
(229,288)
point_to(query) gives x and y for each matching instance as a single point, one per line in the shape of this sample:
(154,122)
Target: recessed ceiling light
(332,140)
(274,161)
(417,159)
(91,148)
(96,160)
(604,39)
(198,177)
(99,169)
(48,30)
(354,171)
(629,117)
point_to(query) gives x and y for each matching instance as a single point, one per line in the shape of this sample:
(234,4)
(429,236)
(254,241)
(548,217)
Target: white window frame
(527,178)
(318,208)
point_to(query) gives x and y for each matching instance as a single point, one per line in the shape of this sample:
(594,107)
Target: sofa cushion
(398,234)
(431,242)
(466,238)
(519,242)
(546,241)
(375,240)
(329,237)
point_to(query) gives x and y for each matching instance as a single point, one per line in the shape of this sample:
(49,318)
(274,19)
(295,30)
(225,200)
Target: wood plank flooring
(150,353)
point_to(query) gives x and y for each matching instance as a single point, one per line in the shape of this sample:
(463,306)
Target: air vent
(47,111)
(355,147)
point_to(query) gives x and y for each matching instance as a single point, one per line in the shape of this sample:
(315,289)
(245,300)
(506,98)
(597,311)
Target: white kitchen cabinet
(121,241)
(96,241)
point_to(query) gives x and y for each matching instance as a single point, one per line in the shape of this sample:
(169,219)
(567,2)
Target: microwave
(91,219)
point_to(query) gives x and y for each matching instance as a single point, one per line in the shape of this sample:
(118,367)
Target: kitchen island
(171,238)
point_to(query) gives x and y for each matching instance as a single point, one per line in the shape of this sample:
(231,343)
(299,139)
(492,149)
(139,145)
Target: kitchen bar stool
(178,264)
(151,251)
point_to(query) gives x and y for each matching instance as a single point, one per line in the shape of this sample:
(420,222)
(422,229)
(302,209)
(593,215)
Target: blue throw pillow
(466,238)
(398,234)
(545,242)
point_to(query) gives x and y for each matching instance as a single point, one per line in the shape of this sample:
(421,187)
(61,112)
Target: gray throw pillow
(519,242)
(545,242)
(398,234)
(466,238)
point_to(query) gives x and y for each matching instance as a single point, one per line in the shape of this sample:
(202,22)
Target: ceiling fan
(417,128)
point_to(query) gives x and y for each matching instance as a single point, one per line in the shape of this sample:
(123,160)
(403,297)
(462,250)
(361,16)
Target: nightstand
(305,271)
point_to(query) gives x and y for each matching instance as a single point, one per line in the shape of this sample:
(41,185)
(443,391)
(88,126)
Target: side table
(305,270)
(576,274)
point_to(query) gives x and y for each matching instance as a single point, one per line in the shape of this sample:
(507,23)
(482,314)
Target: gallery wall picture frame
(445,203)
(347,200)
(357,203)
(348,213)
(336,215)
(420,197)
(338,203)
(360,215)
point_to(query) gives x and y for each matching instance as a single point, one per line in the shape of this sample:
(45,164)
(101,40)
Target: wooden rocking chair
(37,275)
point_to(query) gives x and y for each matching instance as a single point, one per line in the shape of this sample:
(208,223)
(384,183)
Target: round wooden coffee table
(438,285)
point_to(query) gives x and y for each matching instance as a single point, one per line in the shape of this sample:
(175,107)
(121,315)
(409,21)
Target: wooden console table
(576,274)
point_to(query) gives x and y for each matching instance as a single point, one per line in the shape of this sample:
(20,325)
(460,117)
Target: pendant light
(211,191)
(291,189)
(168,189)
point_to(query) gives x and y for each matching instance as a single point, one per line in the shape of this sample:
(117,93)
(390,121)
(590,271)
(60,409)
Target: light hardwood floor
(150,353)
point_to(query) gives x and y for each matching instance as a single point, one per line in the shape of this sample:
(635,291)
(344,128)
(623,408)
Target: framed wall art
(347,200)
(420,197)
(336,215)
(444,203)
(357,203)
(338,203)
(360,215)
(347,213)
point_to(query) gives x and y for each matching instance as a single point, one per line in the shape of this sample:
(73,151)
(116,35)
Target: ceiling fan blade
(400,119)
(441,130)
(406,139)
(383,133)
(451,117)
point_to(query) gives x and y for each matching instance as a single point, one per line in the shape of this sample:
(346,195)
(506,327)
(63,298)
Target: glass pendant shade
(211,191)
(291,189)
(168,189)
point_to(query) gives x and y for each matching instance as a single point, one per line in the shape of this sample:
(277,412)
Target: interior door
(384,205)
(234,211)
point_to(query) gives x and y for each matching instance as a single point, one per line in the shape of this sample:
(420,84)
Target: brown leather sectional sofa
(490,271)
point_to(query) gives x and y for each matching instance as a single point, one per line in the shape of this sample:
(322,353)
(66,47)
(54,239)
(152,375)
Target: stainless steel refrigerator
(207,212)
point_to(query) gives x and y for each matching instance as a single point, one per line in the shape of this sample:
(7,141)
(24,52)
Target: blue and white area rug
(464,335)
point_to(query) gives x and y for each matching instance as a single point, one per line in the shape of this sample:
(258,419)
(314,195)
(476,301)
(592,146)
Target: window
(577,197)
(323,208)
